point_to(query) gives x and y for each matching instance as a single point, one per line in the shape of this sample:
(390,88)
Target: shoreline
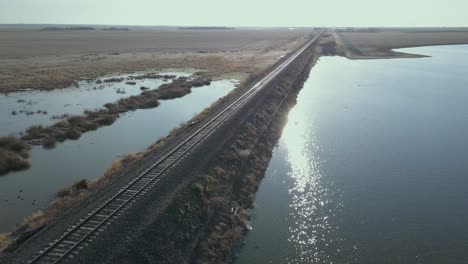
(241,220)
(354,48)
(75,196)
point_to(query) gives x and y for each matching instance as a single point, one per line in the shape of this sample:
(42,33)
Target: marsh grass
(13,155)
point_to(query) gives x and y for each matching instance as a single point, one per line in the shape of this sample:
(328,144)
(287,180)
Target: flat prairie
(379,44)
(42,59)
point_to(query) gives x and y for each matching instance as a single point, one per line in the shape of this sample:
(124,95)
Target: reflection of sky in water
(88,157)
(72,101)
(311,231)
(371,167)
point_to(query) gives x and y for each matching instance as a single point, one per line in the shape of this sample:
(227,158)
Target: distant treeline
(116,28)
(207,28)
(68,28)
(83,28)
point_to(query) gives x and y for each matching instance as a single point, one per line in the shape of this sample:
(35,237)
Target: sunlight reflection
(312,207)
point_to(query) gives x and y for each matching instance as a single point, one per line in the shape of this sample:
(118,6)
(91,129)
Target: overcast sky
(238,12)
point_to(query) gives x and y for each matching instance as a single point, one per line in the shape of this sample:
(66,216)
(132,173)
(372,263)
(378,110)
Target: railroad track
(75,237)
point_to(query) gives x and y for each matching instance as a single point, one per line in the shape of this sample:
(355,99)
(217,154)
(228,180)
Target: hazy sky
(238,12)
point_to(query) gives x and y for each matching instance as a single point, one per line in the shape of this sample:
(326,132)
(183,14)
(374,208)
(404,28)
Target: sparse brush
(12,143)
(34,132)
(80,185)
(76,120)
(60,136)
(115,79)
(73,134)
(243,154)
(115,167)
(49,143)
(63,192)
(4,241)
(10,161)
(106,120)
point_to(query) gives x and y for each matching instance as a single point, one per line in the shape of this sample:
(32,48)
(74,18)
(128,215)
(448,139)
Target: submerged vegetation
(73,127)
(14,151)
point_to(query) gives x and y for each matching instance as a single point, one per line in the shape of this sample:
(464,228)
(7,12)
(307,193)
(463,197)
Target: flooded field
(87,158)
(20,110)
(371,167)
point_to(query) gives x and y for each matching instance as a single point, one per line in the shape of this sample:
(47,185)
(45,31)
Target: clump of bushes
(201,81)
(35,132)
(80,185)
(63,192)
(73,134)
(13,155)
(106,120)
(74,126)
(10,161)
(115,79)
(77,186)
(49,142)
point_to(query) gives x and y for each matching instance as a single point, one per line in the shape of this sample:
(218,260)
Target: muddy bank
(192,198)
(205,220)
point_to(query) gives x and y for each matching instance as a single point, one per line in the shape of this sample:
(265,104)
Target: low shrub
(12,143)
(10,161)
(77,120)
(73,134)
(106,120)
(80,185)
(34,132)
(63,192)
(49,143)
(114,80)
(60,136)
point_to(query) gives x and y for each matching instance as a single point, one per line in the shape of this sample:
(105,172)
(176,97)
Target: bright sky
(238,12)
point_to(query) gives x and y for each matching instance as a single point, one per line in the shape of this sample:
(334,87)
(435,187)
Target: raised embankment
(197,211)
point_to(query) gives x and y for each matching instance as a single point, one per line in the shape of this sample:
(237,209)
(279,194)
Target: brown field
(34,59)
(379,44)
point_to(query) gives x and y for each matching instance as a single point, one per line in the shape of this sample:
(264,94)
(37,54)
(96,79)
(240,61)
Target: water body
(93,153)
(42,106)
(371,167)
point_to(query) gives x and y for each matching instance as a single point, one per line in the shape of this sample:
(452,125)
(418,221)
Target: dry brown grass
(243,153)
(13,155)
(39,67)
(4,241)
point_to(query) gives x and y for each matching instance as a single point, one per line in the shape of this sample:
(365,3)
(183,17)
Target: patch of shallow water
(20,110)
(87,158)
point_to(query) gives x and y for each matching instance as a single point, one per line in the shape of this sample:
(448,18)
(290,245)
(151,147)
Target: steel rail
(65,245)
